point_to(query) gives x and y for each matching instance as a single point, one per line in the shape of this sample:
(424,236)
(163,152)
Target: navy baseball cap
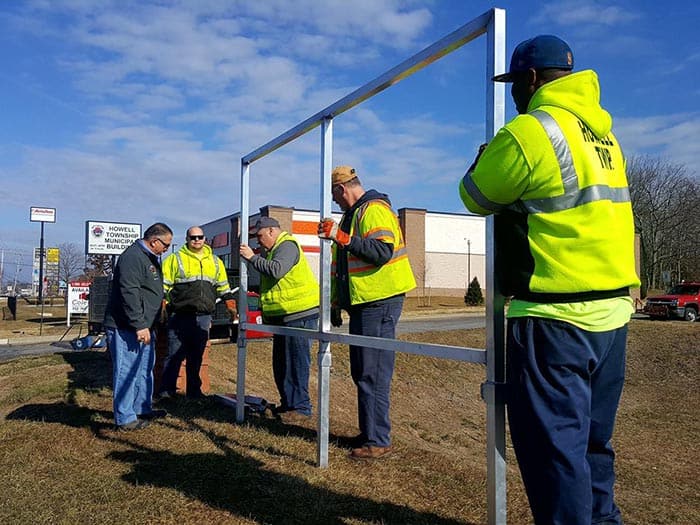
(540,52)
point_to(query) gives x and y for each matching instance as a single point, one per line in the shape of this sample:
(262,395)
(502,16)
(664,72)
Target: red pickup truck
(680,302)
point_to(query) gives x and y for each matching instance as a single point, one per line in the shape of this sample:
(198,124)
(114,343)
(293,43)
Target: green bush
(474,297)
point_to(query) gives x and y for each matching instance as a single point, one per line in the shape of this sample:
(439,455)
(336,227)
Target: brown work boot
(370,452)
(292,417)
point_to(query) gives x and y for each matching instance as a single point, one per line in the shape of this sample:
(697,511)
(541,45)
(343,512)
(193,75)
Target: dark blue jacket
(136,290)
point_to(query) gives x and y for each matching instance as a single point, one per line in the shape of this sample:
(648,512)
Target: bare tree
(71,261)
(665,200)
(98,265)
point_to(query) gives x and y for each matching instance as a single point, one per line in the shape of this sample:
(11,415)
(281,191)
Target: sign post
(42,215)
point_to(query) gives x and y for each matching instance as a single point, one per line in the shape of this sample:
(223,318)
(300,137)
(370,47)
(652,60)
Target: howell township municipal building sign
(110,238)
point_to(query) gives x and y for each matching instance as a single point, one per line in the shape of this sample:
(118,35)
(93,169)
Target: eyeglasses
(166,245)
(336,187)
(196,237)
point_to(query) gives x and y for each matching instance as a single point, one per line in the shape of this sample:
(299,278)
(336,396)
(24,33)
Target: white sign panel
(37,214)
(110,238)
(78,297)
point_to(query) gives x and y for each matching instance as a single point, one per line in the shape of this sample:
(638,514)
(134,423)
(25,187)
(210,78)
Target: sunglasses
(196,237)
(165,244)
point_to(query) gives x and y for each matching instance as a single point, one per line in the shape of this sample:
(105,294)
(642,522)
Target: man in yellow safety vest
(371,275)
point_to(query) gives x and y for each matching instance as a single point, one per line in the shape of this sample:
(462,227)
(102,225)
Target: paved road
(407,325)
(410,325)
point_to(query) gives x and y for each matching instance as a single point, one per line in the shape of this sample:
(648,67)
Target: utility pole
(469,262)
(17,270)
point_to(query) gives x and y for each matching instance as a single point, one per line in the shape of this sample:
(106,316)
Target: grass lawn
(63,462)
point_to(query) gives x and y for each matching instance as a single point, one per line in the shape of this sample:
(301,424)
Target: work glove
(328,229)
(163,312)
(231,307)
(478,156)
(336,317)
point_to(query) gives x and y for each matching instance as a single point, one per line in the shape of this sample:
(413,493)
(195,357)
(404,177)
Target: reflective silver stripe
(479,197)
(180,266)
(599,192)
(376,234)
(201,277)
(195,278)
(573,196)
(569,178)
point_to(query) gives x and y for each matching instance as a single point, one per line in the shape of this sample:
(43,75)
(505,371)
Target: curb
(29,340)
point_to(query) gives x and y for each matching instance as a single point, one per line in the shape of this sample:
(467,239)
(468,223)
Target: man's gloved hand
(231,307)
(336,317)
(328,229)
(163,312)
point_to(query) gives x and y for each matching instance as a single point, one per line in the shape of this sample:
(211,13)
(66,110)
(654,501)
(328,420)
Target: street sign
(37,214)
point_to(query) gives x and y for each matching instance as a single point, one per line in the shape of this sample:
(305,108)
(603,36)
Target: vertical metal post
(324,347)
(242,296)
(41,278)
(495,347)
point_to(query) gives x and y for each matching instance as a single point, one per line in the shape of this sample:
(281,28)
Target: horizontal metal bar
(457,353)
(430,54)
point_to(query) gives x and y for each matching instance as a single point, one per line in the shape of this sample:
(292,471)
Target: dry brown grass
(63,463)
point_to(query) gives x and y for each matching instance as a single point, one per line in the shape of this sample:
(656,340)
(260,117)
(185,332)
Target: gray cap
(264,222)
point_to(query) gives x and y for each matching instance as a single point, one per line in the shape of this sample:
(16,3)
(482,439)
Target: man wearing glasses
(132,311)
(193,278)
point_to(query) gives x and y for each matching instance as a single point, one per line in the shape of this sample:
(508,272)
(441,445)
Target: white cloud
(670,136)
(571,13)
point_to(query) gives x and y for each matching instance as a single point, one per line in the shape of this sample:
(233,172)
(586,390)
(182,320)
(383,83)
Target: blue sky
(130,111)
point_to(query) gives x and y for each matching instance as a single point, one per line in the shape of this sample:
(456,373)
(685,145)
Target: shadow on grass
(215,411)
(91,371)
(63,413)
(227,480)
(242,486)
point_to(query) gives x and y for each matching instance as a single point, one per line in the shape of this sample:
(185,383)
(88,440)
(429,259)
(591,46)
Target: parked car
(223,328)
(681,302)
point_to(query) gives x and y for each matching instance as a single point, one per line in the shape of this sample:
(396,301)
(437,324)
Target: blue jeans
(564,387)
(132,374)
(372,369)
(187,338)
(291,360)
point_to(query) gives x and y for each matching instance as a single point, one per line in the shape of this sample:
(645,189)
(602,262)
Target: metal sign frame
(491,23)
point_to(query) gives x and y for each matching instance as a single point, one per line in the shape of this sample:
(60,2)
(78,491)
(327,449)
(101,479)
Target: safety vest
(296,291)
(367,282)
(193,281)
(556,179)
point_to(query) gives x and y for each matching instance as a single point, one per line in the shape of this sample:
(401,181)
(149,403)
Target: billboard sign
(37,214)
(110,238)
